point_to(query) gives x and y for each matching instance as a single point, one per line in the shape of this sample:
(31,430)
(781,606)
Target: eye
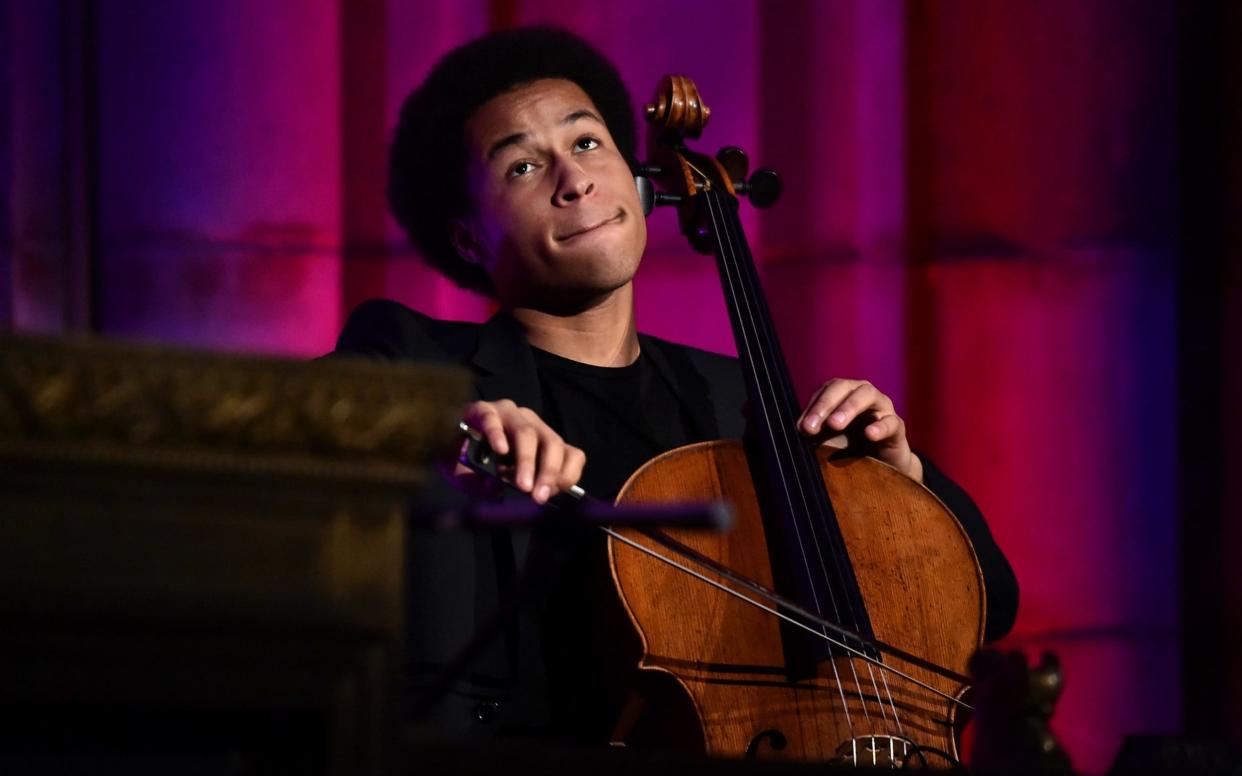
(586,144)
(519,169)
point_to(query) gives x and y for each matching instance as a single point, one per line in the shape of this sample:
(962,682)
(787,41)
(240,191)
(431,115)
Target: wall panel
(220,173)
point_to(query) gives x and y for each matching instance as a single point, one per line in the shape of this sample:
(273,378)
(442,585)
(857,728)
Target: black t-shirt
(621,417)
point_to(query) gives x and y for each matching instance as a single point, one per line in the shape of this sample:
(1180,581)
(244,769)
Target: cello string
(880,701)
(870,669)
(742,261)
(812,478)
(879,698)
(733,281)
(781,615)
(884,678)
(842,555)
(729,241)
(782,426)
(805,467)
(747,263)
(742,305)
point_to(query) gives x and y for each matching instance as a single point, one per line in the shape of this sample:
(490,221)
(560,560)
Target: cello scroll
(677,112)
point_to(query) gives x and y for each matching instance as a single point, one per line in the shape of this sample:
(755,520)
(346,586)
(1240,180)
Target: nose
(573,184)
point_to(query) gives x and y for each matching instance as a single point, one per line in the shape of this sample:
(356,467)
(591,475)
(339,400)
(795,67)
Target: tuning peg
(734,161)
(646,192)
(652,199)
(762,189)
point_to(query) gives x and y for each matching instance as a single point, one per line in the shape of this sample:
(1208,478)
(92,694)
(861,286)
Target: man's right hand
(543,464)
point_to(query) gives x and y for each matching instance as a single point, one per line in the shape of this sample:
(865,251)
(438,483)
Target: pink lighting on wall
(977,218)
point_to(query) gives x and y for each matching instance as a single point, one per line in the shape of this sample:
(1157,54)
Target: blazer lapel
(506,368)
(692,390)
(506,365)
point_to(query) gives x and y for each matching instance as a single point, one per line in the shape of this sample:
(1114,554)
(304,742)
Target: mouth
(618,218)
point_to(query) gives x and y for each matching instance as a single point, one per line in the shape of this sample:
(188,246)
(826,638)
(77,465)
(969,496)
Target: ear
(466,242)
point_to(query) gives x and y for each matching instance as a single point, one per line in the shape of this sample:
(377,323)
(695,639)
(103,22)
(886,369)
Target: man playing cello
(512,171)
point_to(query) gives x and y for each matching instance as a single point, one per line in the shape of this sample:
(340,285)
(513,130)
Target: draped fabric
(980,216)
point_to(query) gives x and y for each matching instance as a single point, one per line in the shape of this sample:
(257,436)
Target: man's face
(557,222)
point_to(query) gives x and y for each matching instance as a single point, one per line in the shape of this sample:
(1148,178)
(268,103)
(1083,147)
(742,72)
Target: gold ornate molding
(93,400)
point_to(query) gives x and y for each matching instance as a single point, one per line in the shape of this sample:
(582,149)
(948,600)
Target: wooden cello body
(919,577)
(880,556)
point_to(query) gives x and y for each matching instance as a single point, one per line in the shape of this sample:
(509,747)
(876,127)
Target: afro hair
(427,186)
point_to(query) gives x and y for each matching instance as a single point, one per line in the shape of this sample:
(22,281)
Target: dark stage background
(1020,219)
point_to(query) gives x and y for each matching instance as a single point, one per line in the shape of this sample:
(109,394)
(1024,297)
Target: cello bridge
(880,750)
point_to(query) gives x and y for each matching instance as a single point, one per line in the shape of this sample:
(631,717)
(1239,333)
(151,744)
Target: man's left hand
(838,403)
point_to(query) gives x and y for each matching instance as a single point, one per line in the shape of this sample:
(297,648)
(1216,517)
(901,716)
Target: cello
(835,623)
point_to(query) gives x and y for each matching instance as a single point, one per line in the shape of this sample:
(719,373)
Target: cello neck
(810,559)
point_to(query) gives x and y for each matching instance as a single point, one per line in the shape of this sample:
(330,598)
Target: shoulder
(387,329)
(706,362)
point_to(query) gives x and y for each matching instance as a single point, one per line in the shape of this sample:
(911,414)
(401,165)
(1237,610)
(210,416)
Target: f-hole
(775,738)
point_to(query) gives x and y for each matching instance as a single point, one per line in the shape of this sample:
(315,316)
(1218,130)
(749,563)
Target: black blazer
(708,384)
(456,580)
